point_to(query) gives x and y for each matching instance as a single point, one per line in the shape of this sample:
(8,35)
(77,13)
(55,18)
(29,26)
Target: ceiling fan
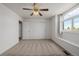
(35,10)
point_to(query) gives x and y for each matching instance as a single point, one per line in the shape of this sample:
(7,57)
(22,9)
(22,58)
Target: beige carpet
(35,48)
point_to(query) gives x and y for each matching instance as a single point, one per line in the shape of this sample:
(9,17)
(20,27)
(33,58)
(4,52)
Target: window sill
(70,31)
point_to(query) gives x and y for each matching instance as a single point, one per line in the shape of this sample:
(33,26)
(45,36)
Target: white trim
(71,31)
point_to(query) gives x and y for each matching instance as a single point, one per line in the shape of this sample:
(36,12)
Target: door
(34,30)
(26,30)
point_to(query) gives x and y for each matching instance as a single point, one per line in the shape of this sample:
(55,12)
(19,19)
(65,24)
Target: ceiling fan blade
(40,14)
(43,9)
(31,14)
(27,9)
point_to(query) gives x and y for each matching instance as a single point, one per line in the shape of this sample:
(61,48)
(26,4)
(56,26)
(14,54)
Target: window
(71,20)
(68,24)
(71,24)
(76,23)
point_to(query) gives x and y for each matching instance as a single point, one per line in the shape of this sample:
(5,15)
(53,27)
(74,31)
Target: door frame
(20,33)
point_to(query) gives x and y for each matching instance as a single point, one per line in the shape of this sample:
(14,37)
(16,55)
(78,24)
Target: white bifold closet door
(26,30)
(34,30)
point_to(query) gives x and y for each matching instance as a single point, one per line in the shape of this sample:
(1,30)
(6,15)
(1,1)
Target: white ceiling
(54,8)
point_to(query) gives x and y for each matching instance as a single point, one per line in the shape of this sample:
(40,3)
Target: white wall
(8,28)
(36,29)
(72,37)
(53,27)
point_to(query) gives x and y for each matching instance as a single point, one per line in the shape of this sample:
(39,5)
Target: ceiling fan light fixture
(36,10)
(35,13)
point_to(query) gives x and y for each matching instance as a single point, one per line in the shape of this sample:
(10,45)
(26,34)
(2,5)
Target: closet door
(34,30)
(38,30)
(26,30)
